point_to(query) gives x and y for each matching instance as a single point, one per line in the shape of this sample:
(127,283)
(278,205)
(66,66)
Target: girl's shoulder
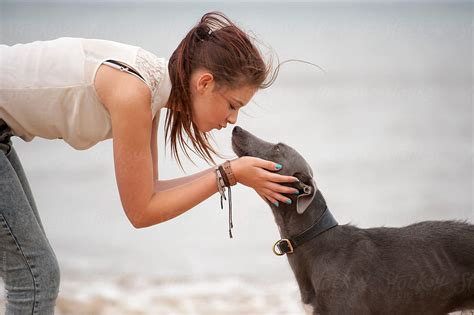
(154,70)
(151,67)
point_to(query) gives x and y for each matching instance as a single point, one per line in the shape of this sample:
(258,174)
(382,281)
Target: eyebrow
(238,101)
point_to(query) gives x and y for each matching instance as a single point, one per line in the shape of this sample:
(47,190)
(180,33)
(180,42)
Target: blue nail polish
(278,166)
(288,201)
(297,180)
(296,192)
(276,203)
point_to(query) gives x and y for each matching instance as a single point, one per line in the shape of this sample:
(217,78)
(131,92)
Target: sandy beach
(82,294)
(131,294)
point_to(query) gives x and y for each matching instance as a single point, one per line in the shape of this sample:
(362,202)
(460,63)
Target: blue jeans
(28,265)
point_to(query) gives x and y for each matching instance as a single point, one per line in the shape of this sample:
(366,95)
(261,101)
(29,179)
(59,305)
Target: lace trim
(151,68)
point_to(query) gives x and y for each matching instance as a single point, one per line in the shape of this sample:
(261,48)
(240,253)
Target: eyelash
(231,107)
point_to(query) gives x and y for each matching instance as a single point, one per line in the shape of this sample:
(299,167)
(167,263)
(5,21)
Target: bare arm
(173,201)
(153,144)
(161,185)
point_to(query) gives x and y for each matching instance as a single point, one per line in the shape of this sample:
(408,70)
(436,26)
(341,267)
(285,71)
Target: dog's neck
(291,223)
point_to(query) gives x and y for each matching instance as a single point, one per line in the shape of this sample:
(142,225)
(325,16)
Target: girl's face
(213,108)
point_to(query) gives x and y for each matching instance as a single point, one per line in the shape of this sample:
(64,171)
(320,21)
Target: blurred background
(387,129)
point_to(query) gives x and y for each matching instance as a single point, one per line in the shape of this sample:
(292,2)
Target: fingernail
(288,201)
(276,203)
(296,192)
(278,166)
(297,180)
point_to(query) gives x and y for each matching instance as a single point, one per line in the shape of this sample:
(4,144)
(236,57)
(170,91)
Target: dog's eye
(277,148)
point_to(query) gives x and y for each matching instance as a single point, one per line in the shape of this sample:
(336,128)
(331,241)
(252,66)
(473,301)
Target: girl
(87,90)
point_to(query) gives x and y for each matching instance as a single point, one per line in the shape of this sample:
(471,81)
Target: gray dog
(423,268)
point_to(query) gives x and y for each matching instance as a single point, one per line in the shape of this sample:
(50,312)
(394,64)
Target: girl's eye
(231,107)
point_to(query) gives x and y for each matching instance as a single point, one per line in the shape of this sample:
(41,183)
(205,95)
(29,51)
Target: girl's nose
(232,119)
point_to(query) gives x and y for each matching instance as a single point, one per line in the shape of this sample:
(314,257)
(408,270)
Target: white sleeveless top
(46,87)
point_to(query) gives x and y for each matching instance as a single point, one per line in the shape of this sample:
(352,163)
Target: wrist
(234,165)
(229,173)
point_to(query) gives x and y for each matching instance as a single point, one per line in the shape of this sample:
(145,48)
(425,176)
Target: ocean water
(387,128)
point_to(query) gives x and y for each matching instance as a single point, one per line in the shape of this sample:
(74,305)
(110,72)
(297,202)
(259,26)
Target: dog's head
(246,144)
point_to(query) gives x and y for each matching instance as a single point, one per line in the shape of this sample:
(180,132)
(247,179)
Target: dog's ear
(307,187)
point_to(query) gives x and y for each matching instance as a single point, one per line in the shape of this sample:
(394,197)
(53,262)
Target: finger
(282,189)
(272,200)
(269,165)
(277,178)
(269,199)
(276,196)
(264,198)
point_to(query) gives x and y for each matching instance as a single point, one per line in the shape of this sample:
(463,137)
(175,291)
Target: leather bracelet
(224,176)
(220,182)
(228,172)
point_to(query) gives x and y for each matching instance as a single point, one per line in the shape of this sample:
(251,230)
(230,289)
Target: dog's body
(418,269)
(424,268)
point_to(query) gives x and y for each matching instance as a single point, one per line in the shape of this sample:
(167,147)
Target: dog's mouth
(238,148)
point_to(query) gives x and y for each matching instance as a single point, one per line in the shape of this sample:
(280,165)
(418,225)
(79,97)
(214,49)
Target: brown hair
(222,48)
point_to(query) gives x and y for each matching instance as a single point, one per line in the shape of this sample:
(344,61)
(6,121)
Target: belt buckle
(284,246)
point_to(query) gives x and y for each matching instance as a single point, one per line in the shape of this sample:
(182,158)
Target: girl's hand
(253,172)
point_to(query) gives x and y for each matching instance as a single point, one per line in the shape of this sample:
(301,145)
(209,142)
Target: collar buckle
(284,247)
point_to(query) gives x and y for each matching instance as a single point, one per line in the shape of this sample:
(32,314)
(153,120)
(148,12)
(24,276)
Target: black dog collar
(287,245)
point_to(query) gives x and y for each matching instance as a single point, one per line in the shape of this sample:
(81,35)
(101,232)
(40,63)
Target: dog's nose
(236,130)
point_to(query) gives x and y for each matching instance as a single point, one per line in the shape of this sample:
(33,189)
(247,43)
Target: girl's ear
(308,188)
(201,81)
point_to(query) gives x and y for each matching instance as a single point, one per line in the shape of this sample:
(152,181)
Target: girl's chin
(199,127)
(209,128)
(206,128)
